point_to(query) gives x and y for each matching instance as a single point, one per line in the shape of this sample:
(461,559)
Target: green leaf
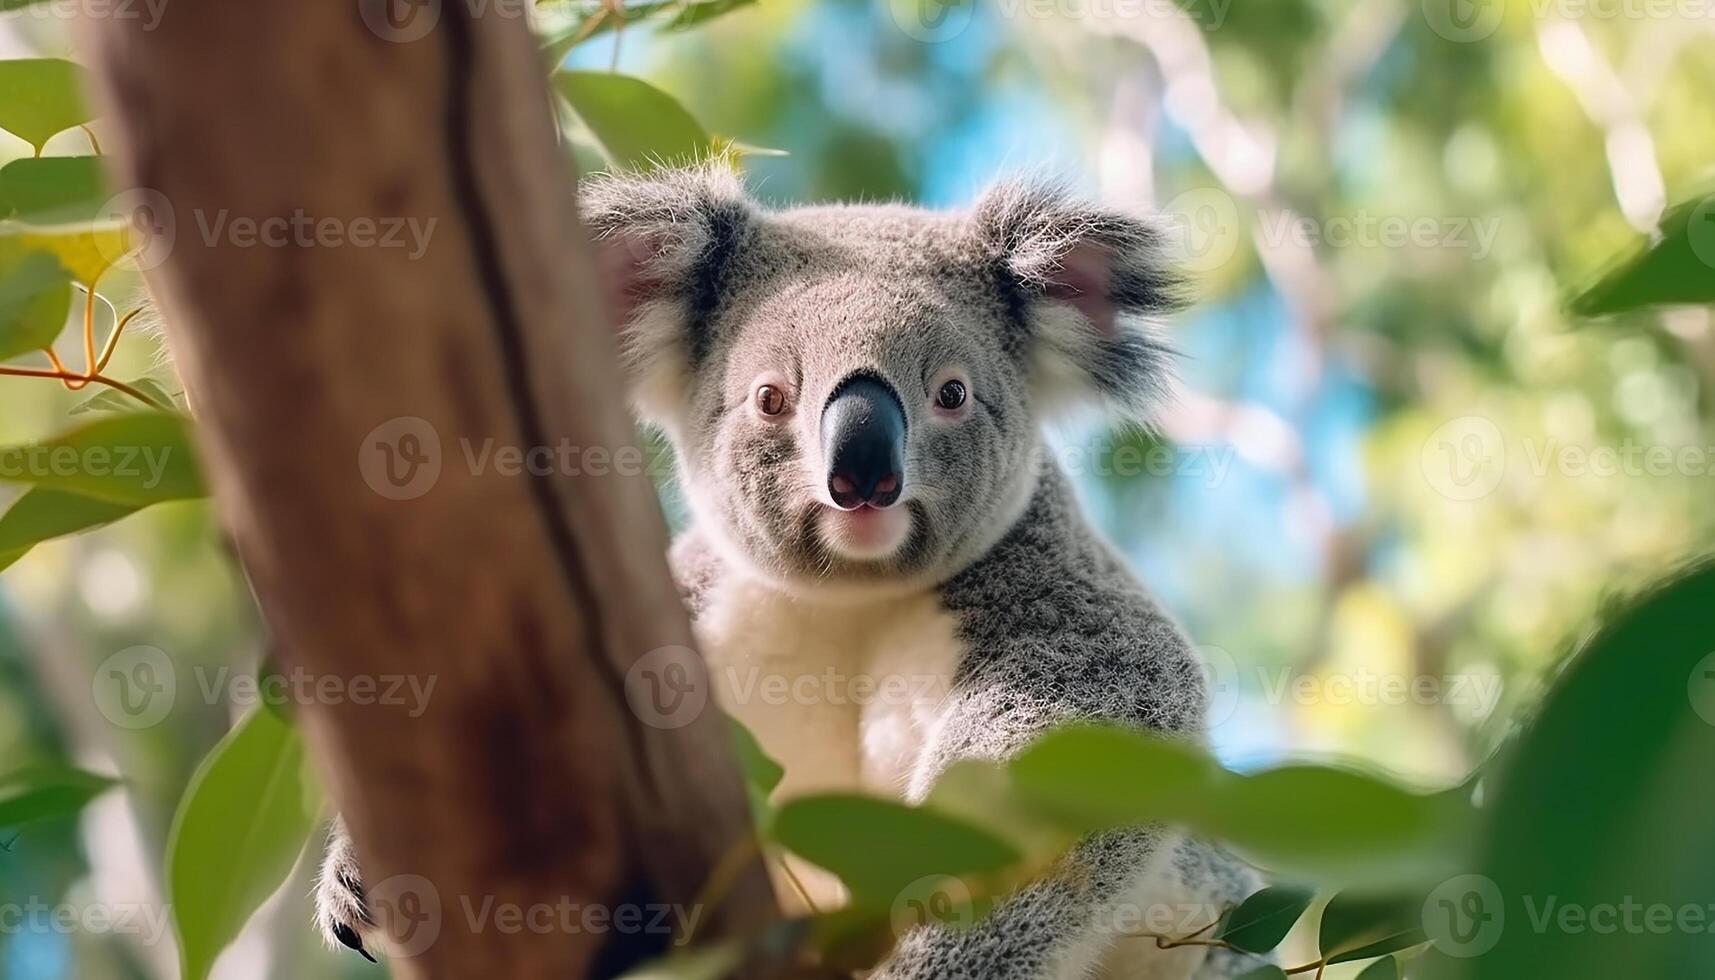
(1320,824)
(18,4)
(1358,926)
(42,514)
(44,96)
(1101,777)
(140,458)
(9,557)
(240,828)
(35,299)
(1386,968)
(51,190)
(602,20)
(1264,973)
(1261,921)
(878,847)
(46,793)
(638,125)
(87,249)
(695,14)
(1679,267)
(1342,827)
(761,773)
(114,400)
(714,962)
(1606,797)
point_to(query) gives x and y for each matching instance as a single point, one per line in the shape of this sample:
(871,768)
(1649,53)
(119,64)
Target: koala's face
(854,392)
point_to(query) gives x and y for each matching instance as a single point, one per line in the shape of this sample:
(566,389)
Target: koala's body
(884,577)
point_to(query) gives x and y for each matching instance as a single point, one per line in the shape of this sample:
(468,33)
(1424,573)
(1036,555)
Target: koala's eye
(951,395)
(770,400)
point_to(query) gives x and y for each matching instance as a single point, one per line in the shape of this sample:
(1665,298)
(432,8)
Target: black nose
(863,433)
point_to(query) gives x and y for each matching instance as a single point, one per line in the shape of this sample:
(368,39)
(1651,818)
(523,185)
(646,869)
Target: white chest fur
(842,693)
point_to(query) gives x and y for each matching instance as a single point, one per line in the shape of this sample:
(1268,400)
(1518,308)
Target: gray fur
(1035,301)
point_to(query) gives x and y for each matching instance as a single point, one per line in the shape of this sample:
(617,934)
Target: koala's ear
(1089,280)
(664,241)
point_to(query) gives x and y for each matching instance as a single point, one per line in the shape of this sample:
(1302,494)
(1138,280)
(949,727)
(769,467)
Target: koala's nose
(863,434)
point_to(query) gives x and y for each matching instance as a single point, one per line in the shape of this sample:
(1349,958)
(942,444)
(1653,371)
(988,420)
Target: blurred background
(1398,477)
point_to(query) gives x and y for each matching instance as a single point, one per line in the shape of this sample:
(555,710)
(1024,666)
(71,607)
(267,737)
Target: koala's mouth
(866,533)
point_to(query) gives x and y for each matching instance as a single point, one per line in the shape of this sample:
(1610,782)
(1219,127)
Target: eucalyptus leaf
(879,847)
(47,792)
(1677,267)
(114,400)
(761,773)
(1358,926)
(1260,922)
(1605,798)
(42,514)
(53,190)
(638,126)
(44,96)
(244,820)
(35,299)
(139,458)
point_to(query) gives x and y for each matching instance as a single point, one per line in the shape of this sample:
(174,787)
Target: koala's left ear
(1089,280)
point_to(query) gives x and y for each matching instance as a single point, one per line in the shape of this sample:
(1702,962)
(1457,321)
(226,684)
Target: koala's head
(854,392)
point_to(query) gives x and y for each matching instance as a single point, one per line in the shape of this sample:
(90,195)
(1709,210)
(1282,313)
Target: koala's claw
(350,938)
(342,914)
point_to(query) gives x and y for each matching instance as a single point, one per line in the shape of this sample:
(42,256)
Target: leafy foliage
(242,823)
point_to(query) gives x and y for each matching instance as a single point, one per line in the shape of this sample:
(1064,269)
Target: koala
(884,575)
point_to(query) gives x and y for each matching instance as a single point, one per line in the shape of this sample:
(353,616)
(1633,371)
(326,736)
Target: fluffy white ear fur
(661,240)
(1092,282)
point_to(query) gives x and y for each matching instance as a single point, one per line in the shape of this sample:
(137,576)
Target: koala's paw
(342,915)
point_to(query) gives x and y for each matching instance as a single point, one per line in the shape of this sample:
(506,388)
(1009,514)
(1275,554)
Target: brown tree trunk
(360,408)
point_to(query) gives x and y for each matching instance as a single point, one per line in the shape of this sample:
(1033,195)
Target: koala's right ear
(663,242)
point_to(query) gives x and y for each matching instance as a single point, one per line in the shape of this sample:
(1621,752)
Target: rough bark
(529,780)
